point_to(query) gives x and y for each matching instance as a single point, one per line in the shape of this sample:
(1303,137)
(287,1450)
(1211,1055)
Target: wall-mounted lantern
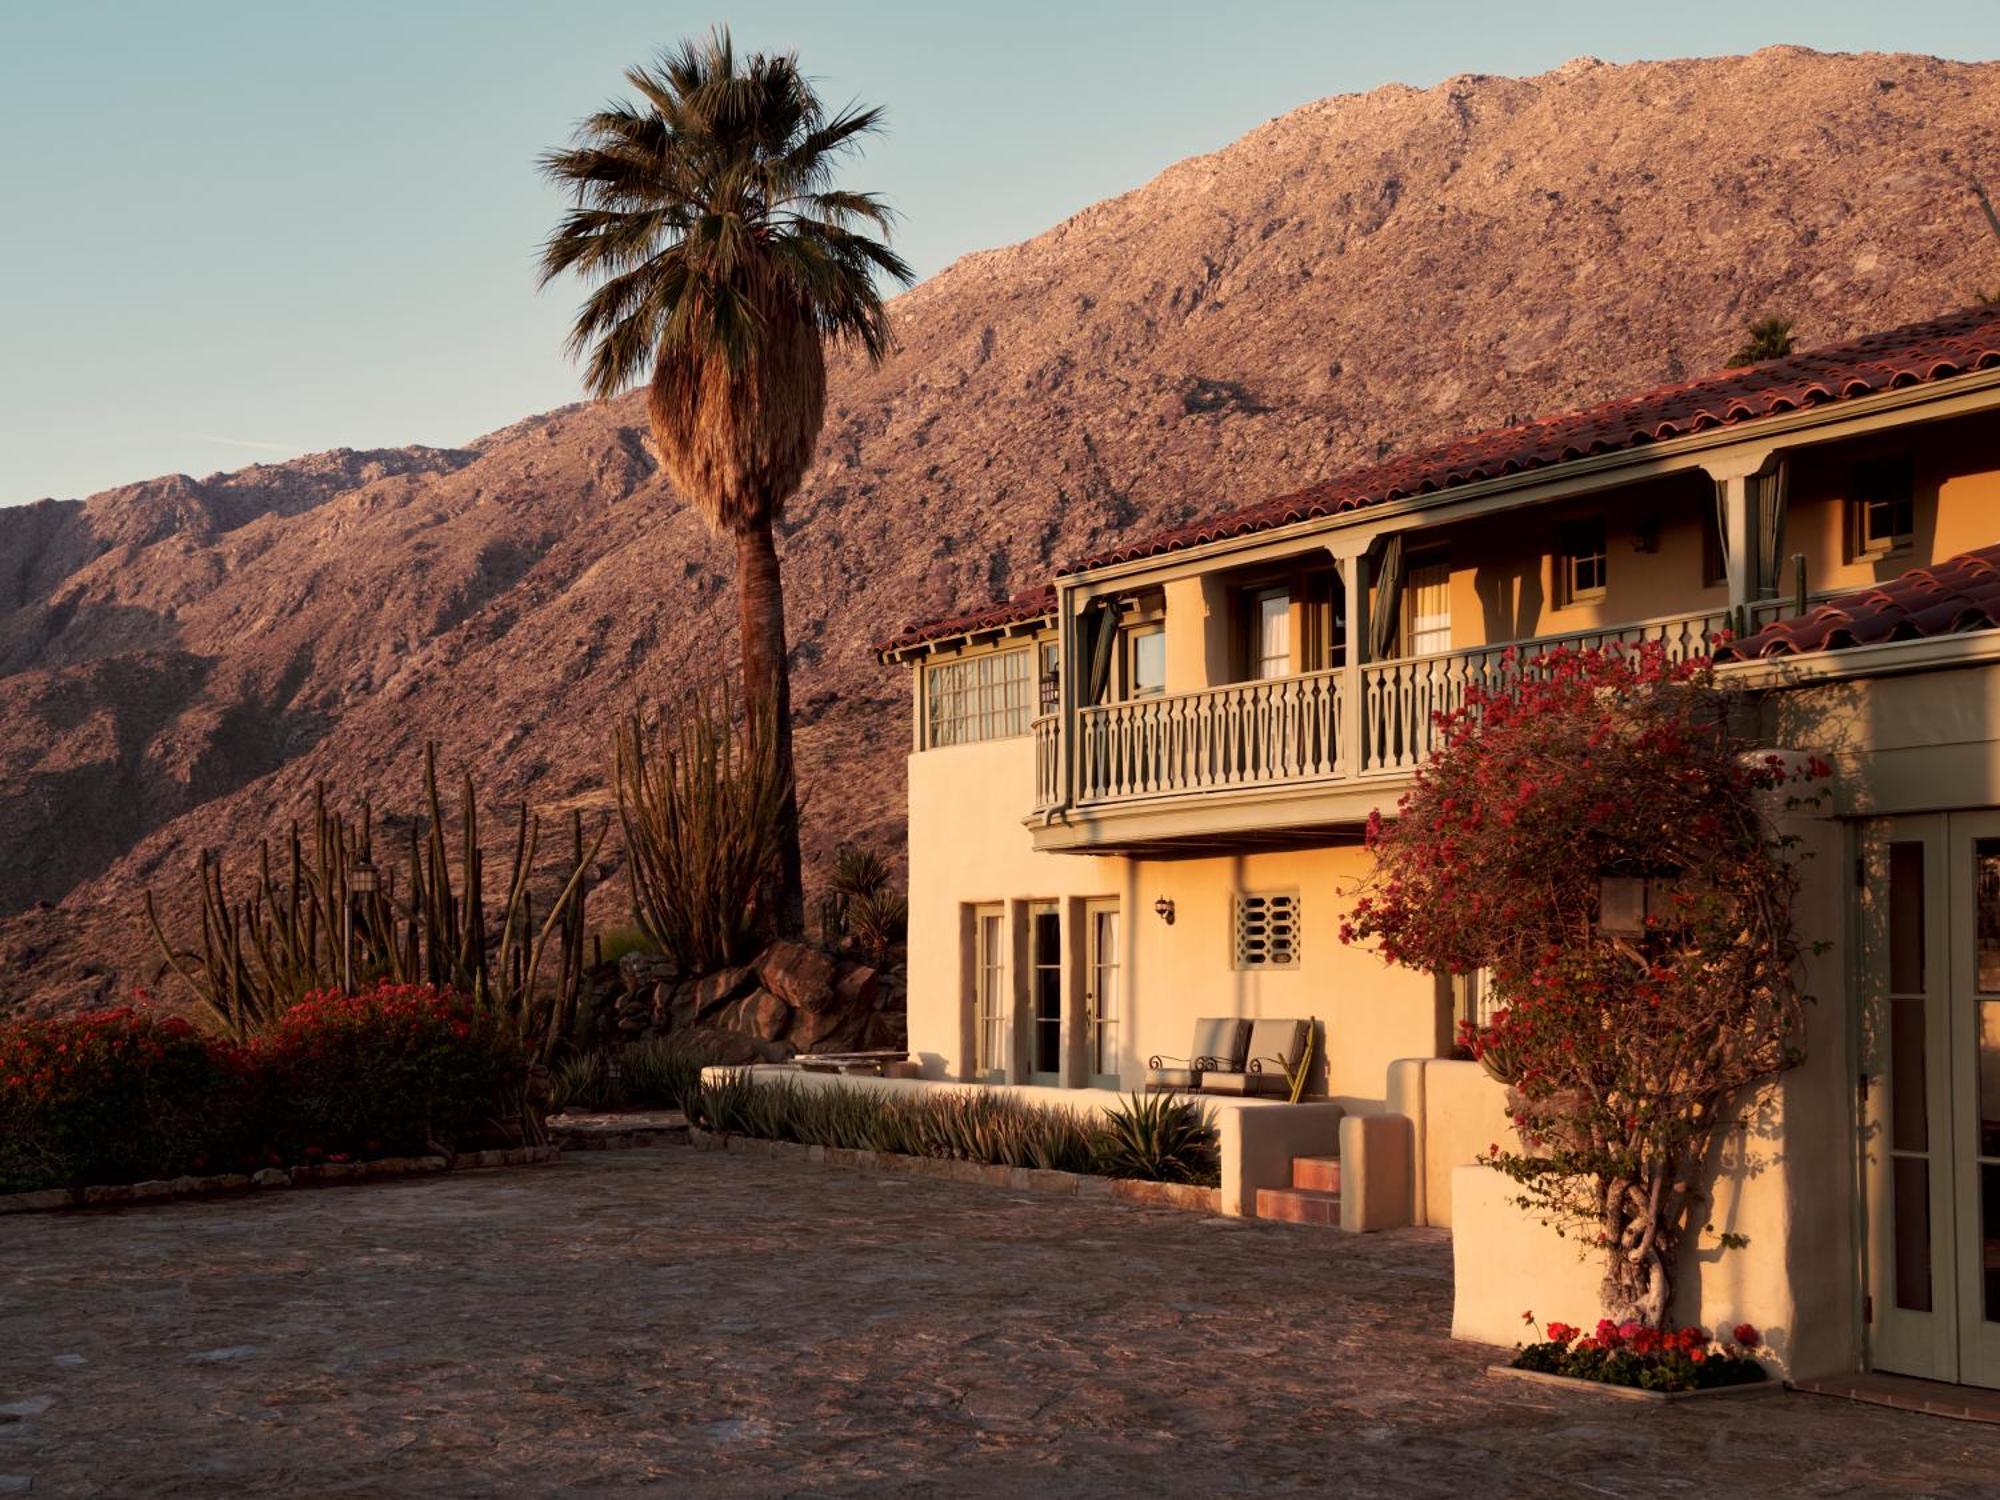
(1164,908)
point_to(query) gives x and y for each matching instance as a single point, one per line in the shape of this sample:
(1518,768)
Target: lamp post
(362,881)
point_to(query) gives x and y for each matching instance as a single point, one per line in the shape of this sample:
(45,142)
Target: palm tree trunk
(760,605)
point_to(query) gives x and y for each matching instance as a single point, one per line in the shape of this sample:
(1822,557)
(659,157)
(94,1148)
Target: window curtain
(1382,625)
(1730,561)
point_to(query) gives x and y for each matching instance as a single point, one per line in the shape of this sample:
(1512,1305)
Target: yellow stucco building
(1137,799)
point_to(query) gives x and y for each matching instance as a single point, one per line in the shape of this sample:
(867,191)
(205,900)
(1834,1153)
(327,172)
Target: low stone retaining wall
(619,1131)
(270,1177)
(1024,1179)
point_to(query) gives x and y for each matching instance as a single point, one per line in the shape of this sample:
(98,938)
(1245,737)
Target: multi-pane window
(1267,930)
(985,697)
(989,963)
(1103,997)
(1270,634)
(1884,506)
(1582,561)
(1476,1000)
(1427,609)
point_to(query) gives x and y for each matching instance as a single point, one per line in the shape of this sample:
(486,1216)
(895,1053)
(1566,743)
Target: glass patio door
(1101,997)
(1930,961)
(1975,1090)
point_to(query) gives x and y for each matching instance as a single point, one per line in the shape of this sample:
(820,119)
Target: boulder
(829,1031)
(764,1016)
(798,975)
(642,970)
(716,990)
(856,986)
(681,1006)
(728,1049)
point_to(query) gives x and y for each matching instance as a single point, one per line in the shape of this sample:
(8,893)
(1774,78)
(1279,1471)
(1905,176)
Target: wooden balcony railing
(1292,730)
(1400,699)
(1246,734)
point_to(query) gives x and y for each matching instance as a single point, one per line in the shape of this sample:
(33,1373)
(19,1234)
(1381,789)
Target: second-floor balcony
(1335,740)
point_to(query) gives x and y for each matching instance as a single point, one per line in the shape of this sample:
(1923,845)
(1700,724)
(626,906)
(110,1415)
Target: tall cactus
(284,939)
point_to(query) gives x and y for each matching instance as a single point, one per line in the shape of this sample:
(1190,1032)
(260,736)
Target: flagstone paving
(683,1323)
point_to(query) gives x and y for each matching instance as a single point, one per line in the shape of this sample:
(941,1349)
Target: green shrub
(581,1081)
(1162,1138)
(617,942)
(392,1071)
(118,1096)
(662,1073)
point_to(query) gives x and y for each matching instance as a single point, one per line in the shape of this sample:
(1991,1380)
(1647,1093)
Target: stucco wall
(968,846)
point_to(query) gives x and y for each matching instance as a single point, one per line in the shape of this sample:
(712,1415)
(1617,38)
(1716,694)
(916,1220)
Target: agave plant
(1160,1137)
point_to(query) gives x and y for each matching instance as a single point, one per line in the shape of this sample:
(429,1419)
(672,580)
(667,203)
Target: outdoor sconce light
(1165,907)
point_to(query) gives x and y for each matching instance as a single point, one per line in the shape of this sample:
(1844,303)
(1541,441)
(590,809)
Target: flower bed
(136,1096)
(1631,1355)
(1156,1138)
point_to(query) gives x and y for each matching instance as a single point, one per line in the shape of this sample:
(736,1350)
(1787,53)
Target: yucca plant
(1159,1137)
(661,1073)
(703,805)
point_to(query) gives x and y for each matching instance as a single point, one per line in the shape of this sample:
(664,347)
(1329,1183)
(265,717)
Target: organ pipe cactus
(288,937)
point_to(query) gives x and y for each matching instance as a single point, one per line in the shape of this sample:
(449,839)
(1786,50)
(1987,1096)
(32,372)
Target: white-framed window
(1270,634)
(1102,996)
(1884,508)
(1267,930)
(1427,608)
(985,697)
(1145,662)
(1476,1000)
(989,988)
(1582,562)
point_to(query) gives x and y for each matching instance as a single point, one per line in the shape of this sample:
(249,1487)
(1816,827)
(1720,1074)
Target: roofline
(1960,393)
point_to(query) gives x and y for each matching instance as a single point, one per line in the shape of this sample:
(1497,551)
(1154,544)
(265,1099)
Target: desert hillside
(181,659)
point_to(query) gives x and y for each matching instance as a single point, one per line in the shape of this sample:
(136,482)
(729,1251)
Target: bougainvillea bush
(118,1096)
(394,1070)
(1653,1359)
(1625,1055)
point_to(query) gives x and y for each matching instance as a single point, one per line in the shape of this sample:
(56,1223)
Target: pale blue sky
(241,231)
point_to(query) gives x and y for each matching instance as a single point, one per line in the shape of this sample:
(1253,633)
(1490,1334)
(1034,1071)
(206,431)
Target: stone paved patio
(685,1323)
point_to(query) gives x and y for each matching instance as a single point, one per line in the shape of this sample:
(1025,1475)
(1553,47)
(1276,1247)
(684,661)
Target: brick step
(1320,1173)
(1299,1206)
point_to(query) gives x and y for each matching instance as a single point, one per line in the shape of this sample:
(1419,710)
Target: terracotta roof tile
(1032,605)
(1958,594)
(1912,355)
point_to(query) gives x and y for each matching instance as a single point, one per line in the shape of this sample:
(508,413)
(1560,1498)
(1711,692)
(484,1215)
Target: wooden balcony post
(1745,484)
(1350,556)
(1069,666)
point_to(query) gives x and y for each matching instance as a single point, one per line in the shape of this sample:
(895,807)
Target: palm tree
(724,260)
(1766,338)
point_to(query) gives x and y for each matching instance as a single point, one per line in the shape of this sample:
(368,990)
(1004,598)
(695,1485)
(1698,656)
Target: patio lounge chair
(1275,1052)
(1219,1047)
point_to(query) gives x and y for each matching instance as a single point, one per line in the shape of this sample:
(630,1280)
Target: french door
(1044,994)
(1101,993)
(1930,963)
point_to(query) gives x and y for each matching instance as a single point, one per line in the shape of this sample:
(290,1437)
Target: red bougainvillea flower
(1748,1336)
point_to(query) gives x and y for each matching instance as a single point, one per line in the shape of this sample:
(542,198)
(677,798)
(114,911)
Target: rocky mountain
(181,659)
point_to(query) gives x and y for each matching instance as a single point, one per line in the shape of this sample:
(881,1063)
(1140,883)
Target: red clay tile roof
(1961,593)
(1032,605)
(1912,355)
